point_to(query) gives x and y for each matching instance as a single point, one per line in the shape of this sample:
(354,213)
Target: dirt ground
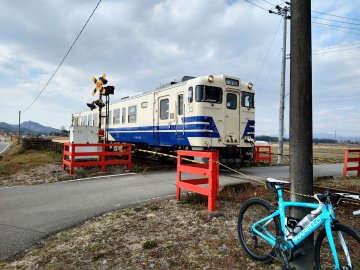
(160,234)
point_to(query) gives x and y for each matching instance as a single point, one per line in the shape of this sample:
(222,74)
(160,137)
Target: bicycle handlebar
(321,205)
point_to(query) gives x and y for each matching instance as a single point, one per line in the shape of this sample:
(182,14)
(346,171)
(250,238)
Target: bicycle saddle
(271,182)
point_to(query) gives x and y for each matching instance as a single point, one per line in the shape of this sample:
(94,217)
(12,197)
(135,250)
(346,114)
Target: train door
(232,117)
(164,121)
(180,110)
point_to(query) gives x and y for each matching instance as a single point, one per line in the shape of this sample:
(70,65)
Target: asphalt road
(4,146)
(31,213)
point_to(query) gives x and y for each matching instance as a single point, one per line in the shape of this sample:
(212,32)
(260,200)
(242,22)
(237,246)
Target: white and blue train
(206,112)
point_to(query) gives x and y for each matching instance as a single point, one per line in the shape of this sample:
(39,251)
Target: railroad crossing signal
(99,86)
(99,83)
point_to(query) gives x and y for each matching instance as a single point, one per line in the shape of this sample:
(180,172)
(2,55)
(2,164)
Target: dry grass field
(322,153)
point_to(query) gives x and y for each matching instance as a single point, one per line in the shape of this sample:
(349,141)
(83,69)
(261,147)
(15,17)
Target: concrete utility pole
(282,11)
(282,93)
(301,157)
(19,128)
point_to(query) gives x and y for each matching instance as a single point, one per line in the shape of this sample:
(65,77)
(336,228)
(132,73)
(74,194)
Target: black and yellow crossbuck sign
(99,84)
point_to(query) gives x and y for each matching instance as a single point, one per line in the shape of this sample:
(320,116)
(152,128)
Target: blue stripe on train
(169,135)
(249,129)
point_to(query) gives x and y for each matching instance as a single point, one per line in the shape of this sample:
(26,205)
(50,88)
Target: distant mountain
(5,127)
(28,127)
(37,128)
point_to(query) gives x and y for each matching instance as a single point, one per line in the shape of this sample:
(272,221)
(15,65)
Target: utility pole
(282,11)
(301,156)
(19,128)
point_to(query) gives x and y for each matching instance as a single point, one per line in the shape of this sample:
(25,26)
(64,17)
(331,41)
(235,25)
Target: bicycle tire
(251,211)
(323,255)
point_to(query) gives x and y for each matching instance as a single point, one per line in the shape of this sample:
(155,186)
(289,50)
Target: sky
(142,44)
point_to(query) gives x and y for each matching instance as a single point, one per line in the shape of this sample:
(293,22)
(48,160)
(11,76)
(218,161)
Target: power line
(271,4)
(62,61)
(343,17)
(262,65)
(347,32)
(337,46)
(320,18)
(256,5)
(347,49)
(338,26)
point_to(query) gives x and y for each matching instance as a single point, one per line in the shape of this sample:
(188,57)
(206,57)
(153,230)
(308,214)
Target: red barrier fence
(95,154)
(262,153)
(348,159)
(210,170)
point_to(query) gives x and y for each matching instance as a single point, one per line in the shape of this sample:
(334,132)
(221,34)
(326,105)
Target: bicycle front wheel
(255,246)
(347,248)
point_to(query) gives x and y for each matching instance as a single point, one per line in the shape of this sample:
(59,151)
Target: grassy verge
(18,167)
(156,235)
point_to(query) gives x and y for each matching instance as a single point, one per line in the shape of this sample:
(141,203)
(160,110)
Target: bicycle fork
(333,248)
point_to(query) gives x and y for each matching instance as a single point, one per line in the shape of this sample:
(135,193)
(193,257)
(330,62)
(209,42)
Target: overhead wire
(268,2)
(338,26)
(248,1)
(326,52)
(62,61)
(343,17)
(325,19)
(268,50)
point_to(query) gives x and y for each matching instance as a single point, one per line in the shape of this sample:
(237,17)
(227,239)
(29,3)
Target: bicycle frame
(326,217)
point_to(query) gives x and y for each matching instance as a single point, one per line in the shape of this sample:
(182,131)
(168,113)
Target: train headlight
(210,78)
(250,85)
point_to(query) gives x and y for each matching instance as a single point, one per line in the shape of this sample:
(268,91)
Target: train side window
(116,116)
(132,114)
(180,104)
(103,120)
(164,109)
(231,101)
(90,120)
(190,95)
(95,120)
(83,120)
(123,116)
(110,118)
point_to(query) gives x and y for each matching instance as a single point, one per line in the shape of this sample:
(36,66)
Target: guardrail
(209,169)
(351,159)
(95,154)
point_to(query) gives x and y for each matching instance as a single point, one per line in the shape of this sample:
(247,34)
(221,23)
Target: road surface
(4,146)
(31,213)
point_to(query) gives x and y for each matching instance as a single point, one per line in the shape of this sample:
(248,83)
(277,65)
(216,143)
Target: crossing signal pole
(282,11)
(104,91)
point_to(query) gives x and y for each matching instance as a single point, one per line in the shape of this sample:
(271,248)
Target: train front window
(205,93)
(247,100)
(231,101)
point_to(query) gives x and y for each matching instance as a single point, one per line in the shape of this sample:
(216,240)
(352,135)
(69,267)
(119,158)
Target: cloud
(142,44)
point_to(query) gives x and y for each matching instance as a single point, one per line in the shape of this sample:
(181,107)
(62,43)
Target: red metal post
(348,159)
(209,170)
(345,163)
(72,164)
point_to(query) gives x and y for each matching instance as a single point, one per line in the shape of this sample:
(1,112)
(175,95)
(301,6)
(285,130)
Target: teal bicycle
(266,233)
